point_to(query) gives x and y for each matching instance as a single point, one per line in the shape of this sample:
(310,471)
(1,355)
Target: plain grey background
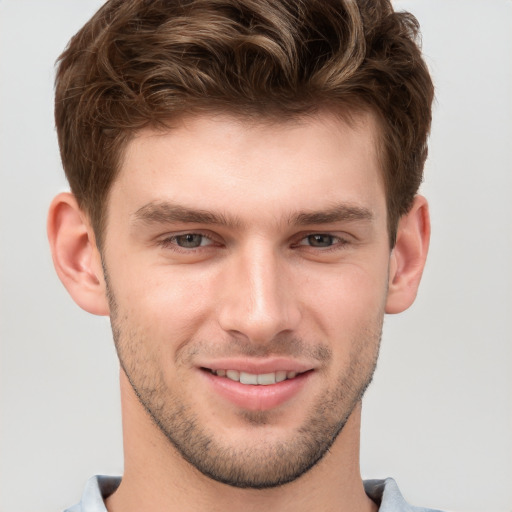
(438,416)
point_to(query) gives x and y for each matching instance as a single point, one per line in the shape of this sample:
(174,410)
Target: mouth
(258,389)
(256,379)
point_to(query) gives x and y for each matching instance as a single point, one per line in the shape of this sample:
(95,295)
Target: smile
(260,379)
(257,390)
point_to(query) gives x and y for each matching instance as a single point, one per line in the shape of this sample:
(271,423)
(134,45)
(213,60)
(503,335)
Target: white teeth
(248,378)
(280,376)
(262,379)
(233,375)
(266,378)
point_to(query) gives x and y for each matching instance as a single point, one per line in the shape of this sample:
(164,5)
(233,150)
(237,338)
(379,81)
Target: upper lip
(257,366)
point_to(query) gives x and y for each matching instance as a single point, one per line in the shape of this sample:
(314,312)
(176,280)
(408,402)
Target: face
(247,269)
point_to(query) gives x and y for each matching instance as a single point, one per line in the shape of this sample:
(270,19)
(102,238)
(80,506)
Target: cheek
(349,295)
(163,300)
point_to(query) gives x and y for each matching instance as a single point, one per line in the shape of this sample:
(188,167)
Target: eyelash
(337,242)
(170,242)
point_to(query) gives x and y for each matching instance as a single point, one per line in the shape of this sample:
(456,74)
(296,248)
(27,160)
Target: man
(244,208)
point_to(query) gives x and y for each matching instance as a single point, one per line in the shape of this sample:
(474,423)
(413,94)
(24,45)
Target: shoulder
(96,490)
(389,498)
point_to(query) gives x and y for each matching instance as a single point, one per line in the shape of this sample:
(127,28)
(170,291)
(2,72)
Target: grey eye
(189,241)
(320,240)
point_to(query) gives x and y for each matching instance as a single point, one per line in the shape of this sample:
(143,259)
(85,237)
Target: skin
(261,286)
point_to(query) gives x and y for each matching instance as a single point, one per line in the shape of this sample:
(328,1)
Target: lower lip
(257,398)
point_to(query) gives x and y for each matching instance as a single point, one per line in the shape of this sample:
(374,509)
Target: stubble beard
(259,465)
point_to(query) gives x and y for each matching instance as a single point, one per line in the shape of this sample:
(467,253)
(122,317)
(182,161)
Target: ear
(75,255)
(408,256)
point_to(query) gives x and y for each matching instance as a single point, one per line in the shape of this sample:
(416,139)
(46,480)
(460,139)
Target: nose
(258,300)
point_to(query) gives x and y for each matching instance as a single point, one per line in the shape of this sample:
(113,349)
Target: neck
(157,478)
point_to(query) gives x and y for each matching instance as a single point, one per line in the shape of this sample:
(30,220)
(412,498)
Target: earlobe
(75,255)
(408,257)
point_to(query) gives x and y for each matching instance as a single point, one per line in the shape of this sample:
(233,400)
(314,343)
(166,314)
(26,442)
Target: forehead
(238,164)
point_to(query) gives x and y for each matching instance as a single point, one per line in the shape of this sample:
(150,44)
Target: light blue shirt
(383,492)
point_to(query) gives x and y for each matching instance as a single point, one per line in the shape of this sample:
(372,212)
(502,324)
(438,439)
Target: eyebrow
(164,212)
(338,213)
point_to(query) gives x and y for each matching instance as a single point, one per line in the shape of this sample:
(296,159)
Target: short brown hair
(143,62)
